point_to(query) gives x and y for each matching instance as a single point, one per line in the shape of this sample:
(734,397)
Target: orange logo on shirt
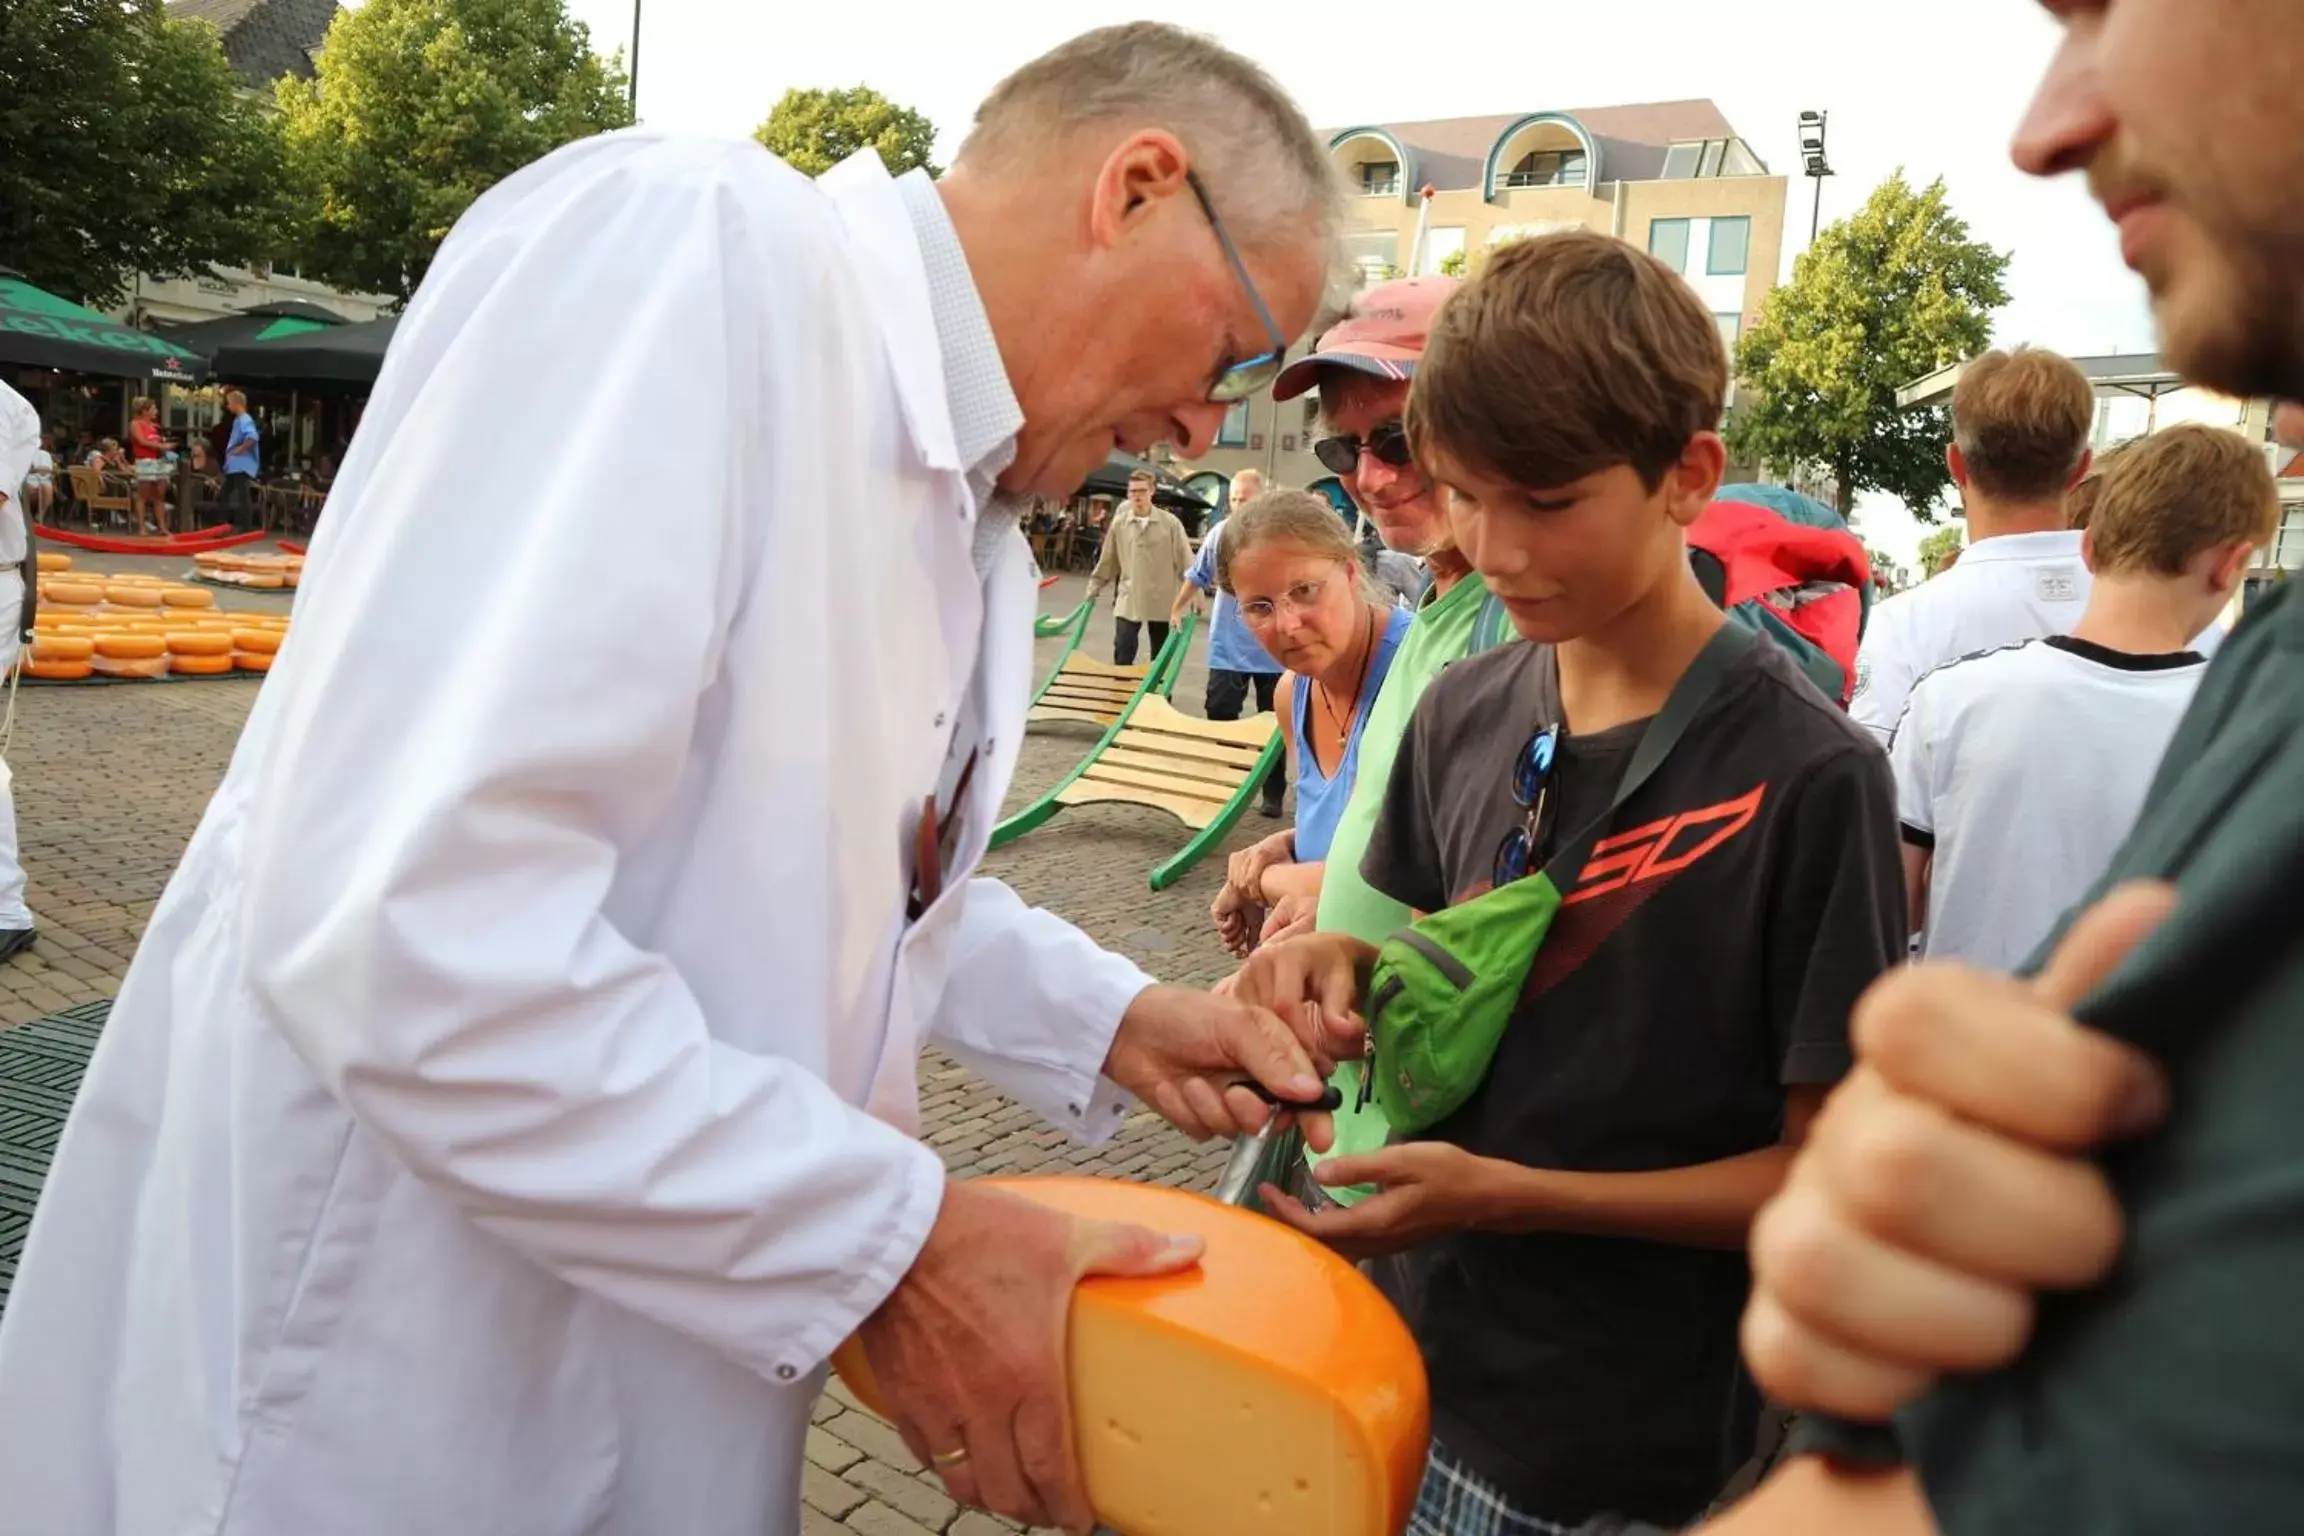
(1663,847)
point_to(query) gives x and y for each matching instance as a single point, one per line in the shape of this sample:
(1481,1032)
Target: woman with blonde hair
(1289,562)
(149,450)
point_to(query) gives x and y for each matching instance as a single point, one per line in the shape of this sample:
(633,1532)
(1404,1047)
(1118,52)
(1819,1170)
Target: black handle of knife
(1331,1099)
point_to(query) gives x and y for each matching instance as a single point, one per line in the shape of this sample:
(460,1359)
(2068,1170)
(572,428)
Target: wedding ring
(950,1458)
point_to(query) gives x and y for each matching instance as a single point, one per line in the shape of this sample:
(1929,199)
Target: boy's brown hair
(2022,420)
(1569,354)
(2178,493)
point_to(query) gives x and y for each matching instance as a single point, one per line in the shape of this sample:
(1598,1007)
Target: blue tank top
(1319,797)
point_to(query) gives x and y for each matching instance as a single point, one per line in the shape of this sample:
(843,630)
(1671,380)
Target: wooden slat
(1160,715)
(1044,712)
(1195,814)
(1162,783)
(1189,746)
(1133,672)
(1221,775)
(1113,696)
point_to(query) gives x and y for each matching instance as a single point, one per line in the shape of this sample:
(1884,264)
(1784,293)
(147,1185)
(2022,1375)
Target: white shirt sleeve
(493,690)
(1912,756)
(1884,672)
(19,440)
(1032,1005)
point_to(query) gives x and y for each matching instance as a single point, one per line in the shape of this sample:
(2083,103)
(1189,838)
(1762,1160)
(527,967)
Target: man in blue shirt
(241,463)
(1235,660)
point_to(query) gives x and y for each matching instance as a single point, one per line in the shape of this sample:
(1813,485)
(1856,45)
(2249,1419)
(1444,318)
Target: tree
(1887,576)
(130,148)
(1887,296)
(813,131)
(420,106)
(1939,549)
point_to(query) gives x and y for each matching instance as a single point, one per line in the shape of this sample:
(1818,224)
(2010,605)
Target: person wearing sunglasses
(1290,563)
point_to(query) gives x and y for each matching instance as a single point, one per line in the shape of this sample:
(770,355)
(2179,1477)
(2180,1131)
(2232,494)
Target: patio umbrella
(266,322)
(1112,476)
(38,328)
(340,354)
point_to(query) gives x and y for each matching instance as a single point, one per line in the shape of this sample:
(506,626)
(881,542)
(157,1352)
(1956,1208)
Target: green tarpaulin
(38,328)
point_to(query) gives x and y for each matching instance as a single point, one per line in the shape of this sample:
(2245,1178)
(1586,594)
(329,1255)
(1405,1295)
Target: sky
(1936,88)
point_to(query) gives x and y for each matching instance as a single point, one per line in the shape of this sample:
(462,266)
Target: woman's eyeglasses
(1299,599)
(1388,441)
(1531,785)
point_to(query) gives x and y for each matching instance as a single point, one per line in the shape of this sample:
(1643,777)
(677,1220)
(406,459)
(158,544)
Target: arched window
(1548,168)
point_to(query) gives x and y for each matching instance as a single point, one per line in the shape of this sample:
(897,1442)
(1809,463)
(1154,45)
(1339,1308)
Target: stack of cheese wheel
(59,654)
(1270,1391)
(51,562)
(71,595)
(268,573)
(293,566)
(123,592)
(130,653)
(254,645)
(198,651)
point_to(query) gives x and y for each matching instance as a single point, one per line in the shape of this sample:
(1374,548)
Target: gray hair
(1268,173)
(1247,477)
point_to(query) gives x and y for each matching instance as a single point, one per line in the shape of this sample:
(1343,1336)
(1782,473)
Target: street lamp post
(632,76)
(1812,155)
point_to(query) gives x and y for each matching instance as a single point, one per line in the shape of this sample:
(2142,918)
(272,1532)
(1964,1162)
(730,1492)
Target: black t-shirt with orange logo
(1719,934)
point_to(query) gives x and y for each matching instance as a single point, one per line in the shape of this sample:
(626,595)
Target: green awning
(288,325)
(38,328)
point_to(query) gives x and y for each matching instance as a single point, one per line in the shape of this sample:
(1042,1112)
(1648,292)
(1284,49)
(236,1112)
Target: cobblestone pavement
(110,781)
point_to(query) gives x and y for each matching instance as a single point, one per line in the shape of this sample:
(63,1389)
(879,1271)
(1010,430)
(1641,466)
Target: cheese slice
(1271,1391)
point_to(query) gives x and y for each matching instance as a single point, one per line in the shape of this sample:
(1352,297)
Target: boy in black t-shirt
(1579,1223)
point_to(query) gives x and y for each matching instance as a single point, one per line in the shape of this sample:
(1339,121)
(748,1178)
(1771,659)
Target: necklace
(1337,717)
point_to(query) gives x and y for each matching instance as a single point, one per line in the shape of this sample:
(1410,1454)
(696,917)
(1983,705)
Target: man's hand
(1185,1053)
(1430,1189)
(1944,1182)
(1317,968)
(969,1349)
(1291,917)
(1245,872)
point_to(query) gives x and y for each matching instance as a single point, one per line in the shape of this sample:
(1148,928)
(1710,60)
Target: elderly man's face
(1165,313)
(2185,116)
(1403,503)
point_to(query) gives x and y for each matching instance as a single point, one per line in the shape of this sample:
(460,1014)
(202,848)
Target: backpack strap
(1492,627)
(1689,696)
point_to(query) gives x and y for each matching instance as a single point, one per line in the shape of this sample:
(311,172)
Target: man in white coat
(19,596)
(510,1107)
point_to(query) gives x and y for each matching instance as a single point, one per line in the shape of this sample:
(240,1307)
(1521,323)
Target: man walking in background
(2020,427)
(242,462)
(1236,661)
(1146,553)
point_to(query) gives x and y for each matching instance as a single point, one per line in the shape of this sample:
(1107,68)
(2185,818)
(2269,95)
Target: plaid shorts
(1455,1501)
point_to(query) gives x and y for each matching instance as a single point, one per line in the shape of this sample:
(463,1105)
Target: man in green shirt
(1940,1189)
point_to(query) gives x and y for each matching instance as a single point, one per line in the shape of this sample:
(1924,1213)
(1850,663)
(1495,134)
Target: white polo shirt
(2021,770)
(2018,587)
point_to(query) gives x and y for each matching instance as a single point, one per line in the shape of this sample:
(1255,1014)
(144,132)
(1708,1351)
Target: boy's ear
(1957,464)
(2228,567)
(1692,482)
(2088,549)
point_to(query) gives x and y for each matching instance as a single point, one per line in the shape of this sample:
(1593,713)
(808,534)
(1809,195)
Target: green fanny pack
(1444,989)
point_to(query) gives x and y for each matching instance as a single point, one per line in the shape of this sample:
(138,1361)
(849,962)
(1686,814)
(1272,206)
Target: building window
(1741,161)
(1680,161)
(1379,178)
(1668,243)
(1709,158)
(1234,432)
(1731,247)
(1731,327)
(1710,165)
(1374,254)
(2288,548)
(1548,168)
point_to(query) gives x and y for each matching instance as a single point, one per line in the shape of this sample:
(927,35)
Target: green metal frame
(1048,625)
(1177,865)
(1077,622)
(1160,677)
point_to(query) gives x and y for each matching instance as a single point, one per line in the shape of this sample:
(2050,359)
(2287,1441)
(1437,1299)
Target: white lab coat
(507,1110)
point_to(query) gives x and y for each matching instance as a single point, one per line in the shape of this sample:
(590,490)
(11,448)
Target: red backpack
(1787,565)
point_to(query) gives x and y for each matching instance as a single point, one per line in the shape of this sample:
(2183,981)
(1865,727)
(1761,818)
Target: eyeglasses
(1531,785)
(1299,599)
(1237,381)
(1387,440)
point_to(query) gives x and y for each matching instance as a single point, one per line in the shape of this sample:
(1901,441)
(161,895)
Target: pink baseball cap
(1381,334)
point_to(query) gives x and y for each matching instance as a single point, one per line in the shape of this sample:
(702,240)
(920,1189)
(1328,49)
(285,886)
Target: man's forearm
(1810,1497)
(1709,1205)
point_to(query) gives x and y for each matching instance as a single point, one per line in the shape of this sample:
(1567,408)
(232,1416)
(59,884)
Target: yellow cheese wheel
(85,594)
(47,618)
(130,666)
(252,661)
(201,666)
(123,646)
(128,594)
(264,581)
(136,579)
(295,578)
(177,596)
(262,641)
(197,642)
(57,671)
(51,561)
(60,647)
(1269,1390)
